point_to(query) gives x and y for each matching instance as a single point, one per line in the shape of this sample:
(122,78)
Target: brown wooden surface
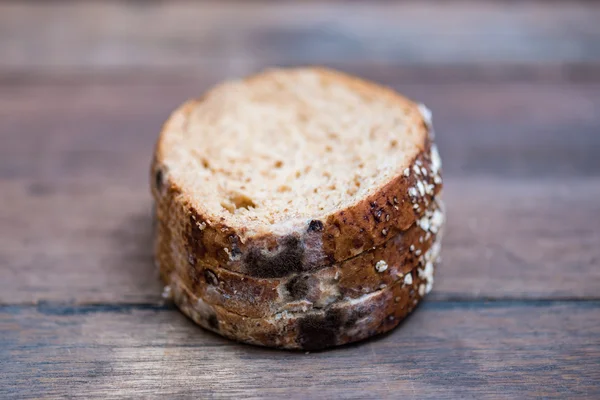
(515,89)
(444,350)
(235,35)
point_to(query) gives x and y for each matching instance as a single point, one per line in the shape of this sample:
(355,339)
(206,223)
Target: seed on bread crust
(381,266)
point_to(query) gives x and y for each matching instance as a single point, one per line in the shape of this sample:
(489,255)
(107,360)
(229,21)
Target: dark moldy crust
(298,287)
(318,332)
(194,240)
(158,179)
(234,241)
(339,323)
(194,275)
(256,297)
(211,278)
(315,226)
(213,322)
(289,259)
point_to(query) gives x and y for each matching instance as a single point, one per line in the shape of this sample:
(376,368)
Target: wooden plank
(90,242)
(444,350)
(439,73)
(238,35)
(106,129)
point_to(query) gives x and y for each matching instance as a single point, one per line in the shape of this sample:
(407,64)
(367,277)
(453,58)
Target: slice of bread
(253,297)
(291,170)
(339,323)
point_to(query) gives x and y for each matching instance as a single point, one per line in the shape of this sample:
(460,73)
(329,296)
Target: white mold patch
(381,266)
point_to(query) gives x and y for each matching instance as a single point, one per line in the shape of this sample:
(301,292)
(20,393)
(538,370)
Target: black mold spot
(315,226)
(298,287)
(235,245)
(211,278)
(318,332)
(213,322)
(351,321)
(158,179)
(377,214)
(288,260)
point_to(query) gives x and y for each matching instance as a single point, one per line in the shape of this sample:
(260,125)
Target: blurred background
(515,91)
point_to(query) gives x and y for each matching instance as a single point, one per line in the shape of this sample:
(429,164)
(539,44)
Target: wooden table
(515,90)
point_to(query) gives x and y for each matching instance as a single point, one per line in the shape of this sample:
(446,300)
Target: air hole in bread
(235,201)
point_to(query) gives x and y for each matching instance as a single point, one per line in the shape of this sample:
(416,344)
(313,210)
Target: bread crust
(370,222)
(340,323)
(254,297)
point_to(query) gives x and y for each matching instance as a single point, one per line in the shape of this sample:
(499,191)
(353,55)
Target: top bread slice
(291,170)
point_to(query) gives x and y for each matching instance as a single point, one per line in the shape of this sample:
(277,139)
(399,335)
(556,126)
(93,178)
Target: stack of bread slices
(298,208)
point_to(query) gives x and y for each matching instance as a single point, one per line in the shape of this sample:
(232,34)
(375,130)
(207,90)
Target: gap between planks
(67,309)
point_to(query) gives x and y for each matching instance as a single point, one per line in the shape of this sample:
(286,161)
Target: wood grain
(445,350)
(235,35)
